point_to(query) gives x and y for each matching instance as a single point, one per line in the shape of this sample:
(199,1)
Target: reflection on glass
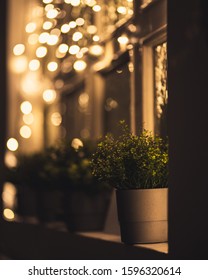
(161,91)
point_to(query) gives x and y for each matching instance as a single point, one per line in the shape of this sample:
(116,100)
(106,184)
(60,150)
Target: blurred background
(75,68)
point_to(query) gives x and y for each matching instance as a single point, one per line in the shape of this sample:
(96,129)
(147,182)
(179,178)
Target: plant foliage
(131,161)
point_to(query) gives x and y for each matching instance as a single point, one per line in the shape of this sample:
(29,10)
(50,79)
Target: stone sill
(159,247)
(51,242)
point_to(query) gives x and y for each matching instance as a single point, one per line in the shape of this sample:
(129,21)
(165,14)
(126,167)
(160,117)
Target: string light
(34,65)
(96,8)
(75,3)
(74,49)
(52,13)
(56,119)
(77,36)
(33,39)
(47,25)
(80,65)
(41,52)
(47,1)
(12,144)
(43,38)
(28,119)
(80,21)
(52,66)
(63,48)
(65,28)
(30,27)
(19,49)
(49,96)
(96,50)
(25,131)
(26,107)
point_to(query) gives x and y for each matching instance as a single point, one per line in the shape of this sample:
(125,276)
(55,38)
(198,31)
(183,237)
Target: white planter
(143,215)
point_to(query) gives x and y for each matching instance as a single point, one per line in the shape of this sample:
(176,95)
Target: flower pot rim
(139,189)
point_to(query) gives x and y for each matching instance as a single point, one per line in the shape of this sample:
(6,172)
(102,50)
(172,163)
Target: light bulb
(80,65)
(34,65)
(18,49)
(30,27)
(26,107)
(12,144)
(41,51)
(25,131)
(49,95)
(52,66)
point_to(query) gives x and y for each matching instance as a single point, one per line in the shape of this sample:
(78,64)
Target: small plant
(131,161)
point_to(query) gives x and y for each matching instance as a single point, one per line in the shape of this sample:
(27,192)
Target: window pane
(161,91)
(117,98)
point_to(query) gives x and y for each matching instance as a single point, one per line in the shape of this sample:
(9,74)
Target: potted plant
(137,166)
(85,200)
(35,178)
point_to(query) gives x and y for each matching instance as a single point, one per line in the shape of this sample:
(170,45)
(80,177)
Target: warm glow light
(84,50)
(96,8)
(19,64)
(80,65)
(30,27)
(28,119)
(52,40)
(90,3)
(52,13)
(49,7)
(80,21)
(52,66)
(121,10)
(75,3)
(37,11)
(79,55)
(72,24)
(49,95)
(25,131)
(59,84)
(123,40)
(33,79)
(96,38)
(63,48)
(8,214)
(56,119)
(67,1)
(43,38)
(33,39)
(26,107)
(96,50)
(56,32)
(47,1)
(77,36)
(47,25)
(91,29)
(10,159)
(41,51)
(12,144)
(18,49)
(74,49)
(65,28)
(59,54)
(9,195)
(76,143)
(83,100)
(34,65)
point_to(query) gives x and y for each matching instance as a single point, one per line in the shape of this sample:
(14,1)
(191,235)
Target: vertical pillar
(3,92)
(187,125)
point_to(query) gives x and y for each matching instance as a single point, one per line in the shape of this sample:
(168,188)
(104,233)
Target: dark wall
(188,128)
(2,91)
